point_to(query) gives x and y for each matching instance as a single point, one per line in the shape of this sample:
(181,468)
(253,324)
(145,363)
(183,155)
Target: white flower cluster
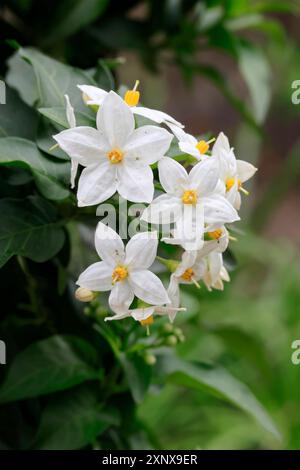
(117,157)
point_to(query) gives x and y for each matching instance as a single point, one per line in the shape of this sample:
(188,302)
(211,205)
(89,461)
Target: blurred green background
(214,65)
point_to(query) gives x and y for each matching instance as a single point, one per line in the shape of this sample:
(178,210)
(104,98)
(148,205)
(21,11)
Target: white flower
(233,172)
(117,157)
(95,96)
(124,271)
(215,238)
(189,271)
(191,201)
(190,145)
(145,314)
(70,115)
(214,270)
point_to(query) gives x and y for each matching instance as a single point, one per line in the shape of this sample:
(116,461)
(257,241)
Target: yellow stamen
(189,197)
(115,156)
(203,145)
(233,239)
(215,234)
(55,146)
(132,97)
(148,321)
(188,275)
(119,274)
(244,190)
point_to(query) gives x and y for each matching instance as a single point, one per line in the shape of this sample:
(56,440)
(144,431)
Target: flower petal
(215,261)
(217,210)
(172,176)
(70,112)
(96,277)
(109,245)
(164,209)
(94,94)
(135,183)
(121,297)
(140,314)
(74,168)
(174,291)
(204,176)
(84,143)
(97,183)
(119,316)
(221,145)
(245,170)
(155,115)
(148,287)
(141,250)
(190,227)
(115,119)
(190,149)
(147,144)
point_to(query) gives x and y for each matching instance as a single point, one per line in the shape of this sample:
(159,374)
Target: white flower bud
(84,295)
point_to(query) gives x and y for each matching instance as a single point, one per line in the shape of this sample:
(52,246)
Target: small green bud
(168,328)
(171,340)
(171,264)
(150,359)
(87,310)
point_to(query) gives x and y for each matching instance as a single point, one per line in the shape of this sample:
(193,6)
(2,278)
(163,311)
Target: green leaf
(50,176)
(257,74)
(29,228)
(138,375)
(21,77)
(58,116)
(217,381)
(73,420)
(16,117)
(48,366)
(55,79)
(72,15)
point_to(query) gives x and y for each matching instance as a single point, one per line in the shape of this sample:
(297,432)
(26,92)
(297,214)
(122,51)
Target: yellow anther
(115,156)
(148,321)
(188,275)
(215,234)
(119,274)
(230,182)
(132,97)
(202,146)
(189,197)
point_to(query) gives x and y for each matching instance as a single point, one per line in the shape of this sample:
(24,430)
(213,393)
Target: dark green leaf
(21,77)
(217,381)
(138,375)
(50,176)
(16,117)
(73,420)
(58,116)
(47,366)
(29,228)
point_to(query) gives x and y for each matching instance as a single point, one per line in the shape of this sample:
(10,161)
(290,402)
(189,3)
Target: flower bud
(150,359)
(84,295)
(171,340)
(168,328)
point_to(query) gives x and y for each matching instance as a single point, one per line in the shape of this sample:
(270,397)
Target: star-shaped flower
(124,271)
(117,156)
(191,201)
(233,172)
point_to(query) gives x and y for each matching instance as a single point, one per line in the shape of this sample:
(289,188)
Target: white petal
(84,143)
(115,119)
(109,245)
(97,183)
(190,227)
(96,277)
(70,112)
(140,314)
(215,265)
(245,170)
(148,144)
(164,209)
(217,210)
(74,168)
(121,297)
(232,193)
(190,149)
(174,291)
(172,176)
(135,182)
(141,250)
(187,261)
(119,316)
(170,311)
(237,201)
(204,176)
(155,115)
(148,287)
(221,144)
(96,95)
